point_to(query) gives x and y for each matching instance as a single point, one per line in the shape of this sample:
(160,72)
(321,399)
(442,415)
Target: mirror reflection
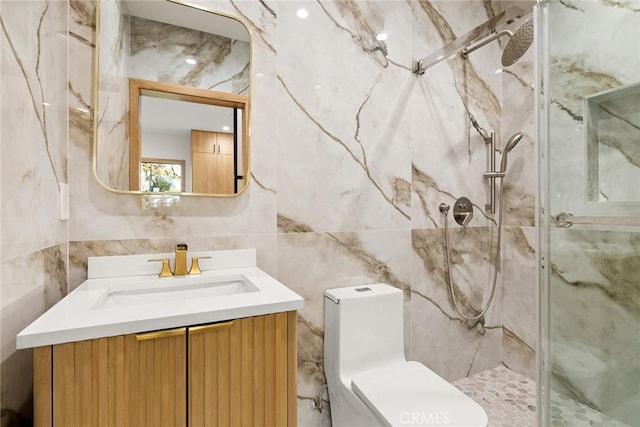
(172,108)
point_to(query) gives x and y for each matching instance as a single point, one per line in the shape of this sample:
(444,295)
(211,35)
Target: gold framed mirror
(172,82)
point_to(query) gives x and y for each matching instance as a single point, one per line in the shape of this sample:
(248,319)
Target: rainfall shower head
(511,143)
(519,41)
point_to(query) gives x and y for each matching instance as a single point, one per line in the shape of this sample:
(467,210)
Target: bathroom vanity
(218,348)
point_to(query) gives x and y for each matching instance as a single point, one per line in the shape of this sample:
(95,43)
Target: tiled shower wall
(351,156)
(34,242)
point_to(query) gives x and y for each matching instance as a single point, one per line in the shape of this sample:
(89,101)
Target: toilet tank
(363,328)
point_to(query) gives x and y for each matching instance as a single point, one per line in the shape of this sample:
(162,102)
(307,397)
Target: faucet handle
(166,270)
(195,266)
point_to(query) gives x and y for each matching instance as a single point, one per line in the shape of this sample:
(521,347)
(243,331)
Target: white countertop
(81,315)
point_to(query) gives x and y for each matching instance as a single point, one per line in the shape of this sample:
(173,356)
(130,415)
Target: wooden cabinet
(212,162)
(237,373)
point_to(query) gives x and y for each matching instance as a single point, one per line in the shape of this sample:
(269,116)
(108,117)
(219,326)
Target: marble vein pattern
(31,284)
(157,51)
(612,123)
(33,135)
(595,316)
(354,158)
(456,105)
(34,144)
(80,251)
(441,339)
(98,214)
(582,65)
(113,99)
(334,260)
(593,273)
(519,300)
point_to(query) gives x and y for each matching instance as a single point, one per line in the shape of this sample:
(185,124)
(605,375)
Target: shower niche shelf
(612,138)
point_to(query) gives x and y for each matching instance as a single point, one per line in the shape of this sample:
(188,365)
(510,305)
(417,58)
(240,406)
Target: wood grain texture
(119,381)
(138,88)
(242,373)
(292,368)
(42,386)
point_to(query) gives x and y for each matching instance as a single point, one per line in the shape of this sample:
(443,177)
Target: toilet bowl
(369,379)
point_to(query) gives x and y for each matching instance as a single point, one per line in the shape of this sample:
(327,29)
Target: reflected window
(162,175)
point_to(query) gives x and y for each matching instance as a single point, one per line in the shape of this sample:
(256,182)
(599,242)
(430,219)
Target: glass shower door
(589,118)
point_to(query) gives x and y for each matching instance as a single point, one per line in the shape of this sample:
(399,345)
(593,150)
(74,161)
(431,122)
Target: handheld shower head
(511,143)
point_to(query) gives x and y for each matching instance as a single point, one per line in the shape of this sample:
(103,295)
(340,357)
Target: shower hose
(496,270)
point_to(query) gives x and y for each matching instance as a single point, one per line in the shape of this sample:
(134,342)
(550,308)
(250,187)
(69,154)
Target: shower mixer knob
(463,211)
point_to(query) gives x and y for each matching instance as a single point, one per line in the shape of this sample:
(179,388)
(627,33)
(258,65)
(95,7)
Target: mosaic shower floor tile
(509,400)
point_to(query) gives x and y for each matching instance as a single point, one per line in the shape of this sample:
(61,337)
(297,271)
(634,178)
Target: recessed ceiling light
(46,104)
(302,13)
(259,75)
(191,61)
(382,37)
(226,128)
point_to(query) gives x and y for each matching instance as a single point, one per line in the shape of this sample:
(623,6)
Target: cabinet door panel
(225,143)
(120,381)
(250,360)
(42,386)
(204,142)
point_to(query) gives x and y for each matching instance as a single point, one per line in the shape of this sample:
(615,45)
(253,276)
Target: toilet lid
(410,394)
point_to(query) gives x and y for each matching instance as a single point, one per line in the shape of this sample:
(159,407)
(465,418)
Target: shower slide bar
(490,27)
(566,220)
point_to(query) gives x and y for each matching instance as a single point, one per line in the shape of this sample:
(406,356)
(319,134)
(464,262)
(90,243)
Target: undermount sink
(210,287)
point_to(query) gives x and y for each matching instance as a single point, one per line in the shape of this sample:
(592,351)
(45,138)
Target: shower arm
(504,18)
(421,65)
(466,51)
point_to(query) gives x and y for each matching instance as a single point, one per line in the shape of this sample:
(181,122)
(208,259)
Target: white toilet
(370,381)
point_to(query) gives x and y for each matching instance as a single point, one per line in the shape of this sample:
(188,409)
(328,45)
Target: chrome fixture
(519,42)
(463,211)
(180,263)
(462,205)
(566,220)
(492,174)
(513,22)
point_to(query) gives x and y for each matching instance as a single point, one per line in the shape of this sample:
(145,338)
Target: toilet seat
(410,394)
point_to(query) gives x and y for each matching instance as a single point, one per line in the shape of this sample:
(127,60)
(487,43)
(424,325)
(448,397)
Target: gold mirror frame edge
(95,91)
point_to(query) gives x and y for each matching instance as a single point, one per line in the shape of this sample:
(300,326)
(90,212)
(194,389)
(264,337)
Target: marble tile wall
(593,284)
(222,63)
(595,316)
(457,103)
(33,157)
(113,129)
(519,280)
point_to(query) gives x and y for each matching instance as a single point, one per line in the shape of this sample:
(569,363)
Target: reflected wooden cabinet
(212,162)
(237,373)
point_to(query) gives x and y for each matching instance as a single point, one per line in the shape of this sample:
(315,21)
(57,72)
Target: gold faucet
(180,263)
(181,260)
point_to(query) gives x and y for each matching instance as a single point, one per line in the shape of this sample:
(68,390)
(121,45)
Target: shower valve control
(463,211)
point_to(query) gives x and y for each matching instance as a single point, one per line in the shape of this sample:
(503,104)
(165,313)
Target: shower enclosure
(588,88)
